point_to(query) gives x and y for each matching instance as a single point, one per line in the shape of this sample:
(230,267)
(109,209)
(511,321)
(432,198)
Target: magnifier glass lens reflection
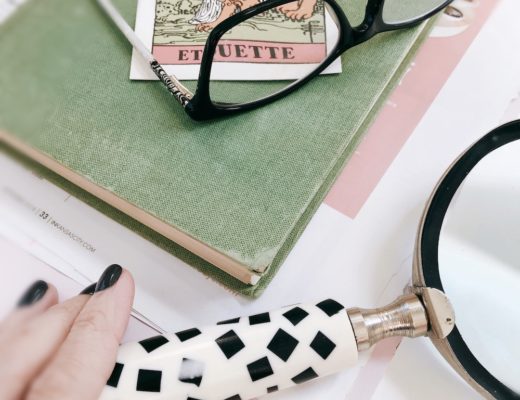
(479,262)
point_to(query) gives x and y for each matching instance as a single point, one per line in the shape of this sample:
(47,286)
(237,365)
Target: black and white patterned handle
(238,359)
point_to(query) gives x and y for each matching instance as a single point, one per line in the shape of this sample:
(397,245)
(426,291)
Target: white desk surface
(358,252)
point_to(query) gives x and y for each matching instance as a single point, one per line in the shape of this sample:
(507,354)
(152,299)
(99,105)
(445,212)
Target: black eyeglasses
(300,39)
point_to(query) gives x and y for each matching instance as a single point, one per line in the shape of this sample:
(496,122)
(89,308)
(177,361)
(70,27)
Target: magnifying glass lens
(479,262)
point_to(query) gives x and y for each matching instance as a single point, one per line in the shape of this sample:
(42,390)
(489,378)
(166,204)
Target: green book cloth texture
(245,186)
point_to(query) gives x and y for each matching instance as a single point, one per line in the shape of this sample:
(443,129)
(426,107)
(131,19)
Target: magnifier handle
(238,359)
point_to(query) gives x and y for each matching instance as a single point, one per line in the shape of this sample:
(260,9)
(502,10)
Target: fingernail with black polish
(90,289)
(109,277)
(34,294)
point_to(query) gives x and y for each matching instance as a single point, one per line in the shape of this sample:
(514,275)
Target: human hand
(55,351)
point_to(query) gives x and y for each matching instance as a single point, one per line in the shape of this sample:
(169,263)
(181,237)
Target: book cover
(229,196)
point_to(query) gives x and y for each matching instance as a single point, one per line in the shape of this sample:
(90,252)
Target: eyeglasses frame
(199,105)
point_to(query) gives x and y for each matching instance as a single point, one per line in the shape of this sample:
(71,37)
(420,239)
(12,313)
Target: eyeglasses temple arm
(177,89)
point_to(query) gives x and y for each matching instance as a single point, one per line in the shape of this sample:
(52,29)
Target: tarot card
(283,43)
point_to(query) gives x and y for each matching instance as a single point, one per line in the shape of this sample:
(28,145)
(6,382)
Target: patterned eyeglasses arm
(177,89)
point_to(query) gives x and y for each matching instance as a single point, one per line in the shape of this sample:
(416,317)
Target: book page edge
(214,257)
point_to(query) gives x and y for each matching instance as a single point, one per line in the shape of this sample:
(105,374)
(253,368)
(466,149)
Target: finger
(34,344)
(36,299)
(86,359)
(33,294)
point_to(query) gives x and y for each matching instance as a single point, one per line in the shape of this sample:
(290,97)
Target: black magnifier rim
(429,245)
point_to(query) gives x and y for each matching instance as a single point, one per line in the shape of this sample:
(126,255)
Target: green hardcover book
(229,196)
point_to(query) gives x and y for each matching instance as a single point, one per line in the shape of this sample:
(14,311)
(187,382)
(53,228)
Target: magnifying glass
(466,263)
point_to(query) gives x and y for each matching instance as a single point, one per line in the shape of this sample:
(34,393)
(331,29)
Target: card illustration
(293,33)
